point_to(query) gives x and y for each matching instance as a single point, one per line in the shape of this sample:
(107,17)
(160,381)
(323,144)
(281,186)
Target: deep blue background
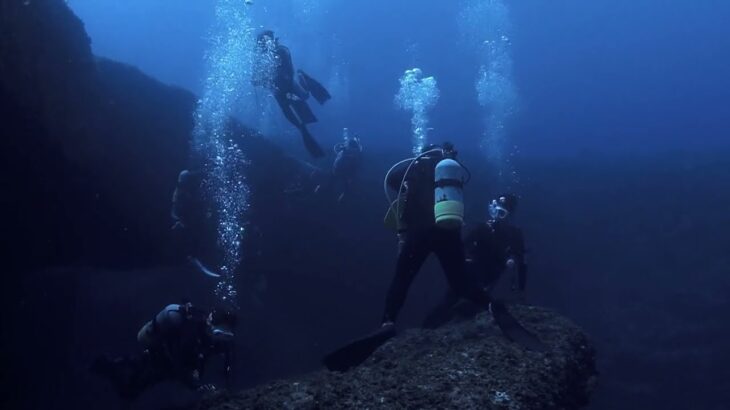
(593,77)
(626,229)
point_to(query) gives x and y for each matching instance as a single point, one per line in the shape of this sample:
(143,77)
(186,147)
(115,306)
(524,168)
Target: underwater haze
(158,152)
(600,77)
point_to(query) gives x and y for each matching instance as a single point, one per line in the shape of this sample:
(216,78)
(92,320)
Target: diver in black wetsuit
(492,248)
(176,344)
(290,93)
(498,246)
(428,214)
(419,235)
(344,168)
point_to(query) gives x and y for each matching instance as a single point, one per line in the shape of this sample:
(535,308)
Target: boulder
(465,365)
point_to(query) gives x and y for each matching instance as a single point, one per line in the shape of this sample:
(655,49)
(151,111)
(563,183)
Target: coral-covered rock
(467,365)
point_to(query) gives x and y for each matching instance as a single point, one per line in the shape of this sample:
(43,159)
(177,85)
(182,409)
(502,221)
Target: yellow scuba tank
(449,194)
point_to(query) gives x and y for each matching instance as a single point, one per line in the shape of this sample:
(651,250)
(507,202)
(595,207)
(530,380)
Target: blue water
(622,92)
(607,77)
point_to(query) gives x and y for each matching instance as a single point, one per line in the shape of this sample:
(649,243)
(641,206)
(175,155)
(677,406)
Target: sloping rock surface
(467,365)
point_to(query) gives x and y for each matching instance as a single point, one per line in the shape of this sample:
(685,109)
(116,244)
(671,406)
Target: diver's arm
(395,179)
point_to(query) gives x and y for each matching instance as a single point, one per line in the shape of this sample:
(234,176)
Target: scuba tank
(449,194)
(449,179)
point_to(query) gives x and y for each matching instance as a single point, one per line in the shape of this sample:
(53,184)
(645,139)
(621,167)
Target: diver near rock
(348,158)
(276,73)
(492,248)
(429,214)
(176,345)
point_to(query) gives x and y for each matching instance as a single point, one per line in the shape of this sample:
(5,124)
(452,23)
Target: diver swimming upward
(290,93)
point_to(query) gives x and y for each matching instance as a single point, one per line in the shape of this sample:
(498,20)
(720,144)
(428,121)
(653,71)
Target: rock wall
(92,148)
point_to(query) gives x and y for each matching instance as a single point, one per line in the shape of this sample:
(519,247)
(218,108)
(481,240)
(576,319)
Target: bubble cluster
(229,72)
(485,27)
(417,95)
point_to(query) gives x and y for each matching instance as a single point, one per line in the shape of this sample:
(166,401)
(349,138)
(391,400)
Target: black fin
(311,144)
(303,112)
(513,330)
(201,268)
(356,352)
(315,88)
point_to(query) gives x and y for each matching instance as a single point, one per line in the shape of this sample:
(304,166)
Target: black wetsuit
(488,248)
(176,348)
(297,111)
(345,168)
(420,237)
(292,97)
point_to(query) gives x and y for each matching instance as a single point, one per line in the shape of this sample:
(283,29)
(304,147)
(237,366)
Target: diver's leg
(313,86)
(298,90)
(413,253)
(310,143)
(145,374)
(344,188)
(287,110)
(450,251)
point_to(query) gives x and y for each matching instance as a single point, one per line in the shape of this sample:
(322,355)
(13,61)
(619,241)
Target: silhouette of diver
(344,168)
(290,93)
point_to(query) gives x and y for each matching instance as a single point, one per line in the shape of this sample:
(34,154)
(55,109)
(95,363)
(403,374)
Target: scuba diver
(492,248)
(176,344)
(428,214)
(498,246)
(421,232)
(191,218)
(290,93)
(345,167)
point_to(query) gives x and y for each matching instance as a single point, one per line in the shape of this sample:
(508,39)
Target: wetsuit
(488,248)
(292,97)
(296,110)
(344,168)
(176,347)
(419,237)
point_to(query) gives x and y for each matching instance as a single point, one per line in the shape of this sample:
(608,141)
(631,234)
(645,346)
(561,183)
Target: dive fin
(356,352)
(315,88)
(311,144)
(513,330)
(199,265)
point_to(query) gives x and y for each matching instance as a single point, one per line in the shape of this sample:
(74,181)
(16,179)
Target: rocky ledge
(465,365)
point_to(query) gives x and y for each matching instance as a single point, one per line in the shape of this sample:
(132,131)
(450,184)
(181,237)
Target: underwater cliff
(94,147)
